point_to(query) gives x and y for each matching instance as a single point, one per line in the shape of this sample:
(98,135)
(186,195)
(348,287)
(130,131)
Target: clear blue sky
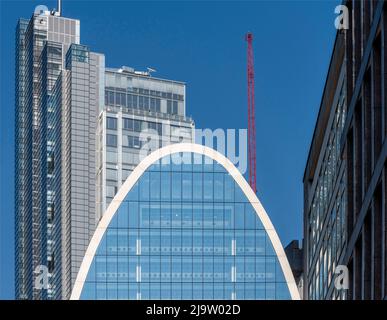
(201,43)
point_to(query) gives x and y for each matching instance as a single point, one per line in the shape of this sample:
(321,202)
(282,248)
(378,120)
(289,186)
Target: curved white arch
(136,174)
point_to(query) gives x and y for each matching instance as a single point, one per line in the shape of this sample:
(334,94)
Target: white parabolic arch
(137,173)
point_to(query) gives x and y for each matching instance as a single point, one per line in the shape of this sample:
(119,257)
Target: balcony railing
(144,113)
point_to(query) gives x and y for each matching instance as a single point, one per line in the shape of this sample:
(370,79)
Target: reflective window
(111,123)
(327,213)
(111,140)
(185,231)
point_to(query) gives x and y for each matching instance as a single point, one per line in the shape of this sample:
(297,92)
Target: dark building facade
(294,254)
(345,178)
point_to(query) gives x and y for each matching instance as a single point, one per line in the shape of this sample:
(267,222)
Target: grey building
(141,113)
(58,96)
(83,80)
(345,179)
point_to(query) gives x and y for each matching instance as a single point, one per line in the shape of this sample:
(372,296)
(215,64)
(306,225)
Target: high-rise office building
(58,95)
(185,225)
(365,148)
(141,112)
(345,181)
(325,187)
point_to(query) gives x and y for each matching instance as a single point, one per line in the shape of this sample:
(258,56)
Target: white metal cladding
(137,173)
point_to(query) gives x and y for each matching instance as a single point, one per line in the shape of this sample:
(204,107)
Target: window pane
(239,216)
(228,188)
(165,186)
(111,123)
(197,186)
(133,214)
(250,216)
(111,140)
(218,186)
(176,186)
(111,174)
(208,186)
(144,186)
(187,186)
(127,124)
(155,185)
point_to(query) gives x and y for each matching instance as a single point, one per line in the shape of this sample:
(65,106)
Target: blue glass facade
(185,231)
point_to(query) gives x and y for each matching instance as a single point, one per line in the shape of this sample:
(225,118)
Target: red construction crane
(251,113)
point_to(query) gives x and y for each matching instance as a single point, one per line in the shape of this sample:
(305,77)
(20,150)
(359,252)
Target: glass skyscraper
(58,95)
(185,225)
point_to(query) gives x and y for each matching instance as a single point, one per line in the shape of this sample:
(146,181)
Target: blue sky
(201,43)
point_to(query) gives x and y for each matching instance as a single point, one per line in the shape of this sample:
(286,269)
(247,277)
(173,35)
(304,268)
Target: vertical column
(366,258)
(119,150)
(384,234)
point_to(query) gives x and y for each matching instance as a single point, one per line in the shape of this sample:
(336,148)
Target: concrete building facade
(141,113)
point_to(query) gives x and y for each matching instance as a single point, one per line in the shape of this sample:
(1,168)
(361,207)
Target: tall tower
(38,64)
(56,105)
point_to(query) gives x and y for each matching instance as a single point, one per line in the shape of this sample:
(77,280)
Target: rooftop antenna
(150,70)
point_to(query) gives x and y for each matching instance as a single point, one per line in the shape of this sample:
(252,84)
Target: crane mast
(251,113)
